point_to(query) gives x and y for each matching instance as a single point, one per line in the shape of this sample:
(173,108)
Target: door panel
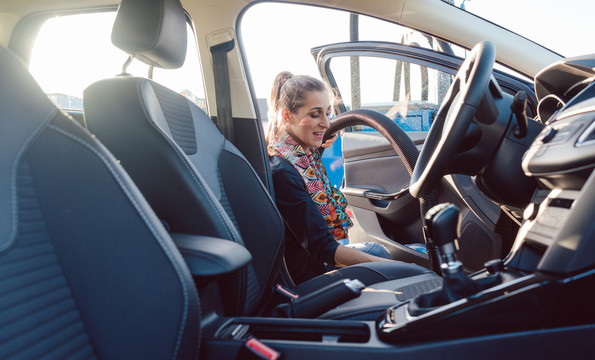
(371,164)
(377,168)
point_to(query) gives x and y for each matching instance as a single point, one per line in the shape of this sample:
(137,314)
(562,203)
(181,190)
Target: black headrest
(152,30)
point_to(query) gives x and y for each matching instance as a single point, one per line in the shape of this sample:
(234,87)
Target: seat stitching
(51,114)
(224,219)
(256,177)
(194,173)
(143,215)
(373,270)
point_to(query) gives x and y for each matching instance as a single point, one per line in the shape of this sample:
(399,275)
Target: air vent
(588,136)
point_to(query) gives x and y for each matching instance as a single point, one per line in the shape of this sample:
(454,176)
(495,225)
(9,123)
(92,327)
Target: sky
(274,41)
(569,33)
(327,26)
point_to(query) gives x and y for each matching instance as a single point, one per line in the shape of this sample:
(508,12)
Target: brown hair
(289,92)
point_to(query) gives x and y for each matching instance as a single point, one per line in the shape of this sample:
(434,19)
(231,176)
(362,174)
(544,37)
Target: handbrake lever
(320,301)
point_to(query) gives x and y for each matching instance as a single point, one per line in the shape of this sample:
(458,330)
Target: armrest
(209,256)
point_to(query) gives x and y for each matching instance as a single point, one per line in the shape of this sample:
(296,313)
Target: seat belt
(222,88)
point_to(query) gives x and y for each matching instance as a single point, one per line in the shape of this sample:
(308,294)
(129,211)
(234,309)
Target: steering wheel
(453,119)
(399,140)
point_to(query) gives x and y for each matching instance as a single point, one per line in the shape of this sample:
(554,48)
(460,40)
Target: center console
(525,299)
(543,283)
(539,291)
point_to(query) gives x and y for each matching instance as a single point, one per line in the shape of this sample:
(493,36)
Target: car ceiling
(430,15)
(24,7)
(216,21)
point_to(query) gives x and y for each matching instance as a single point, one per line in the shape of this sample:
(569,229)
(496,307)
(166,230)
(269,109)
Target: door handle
(386,196)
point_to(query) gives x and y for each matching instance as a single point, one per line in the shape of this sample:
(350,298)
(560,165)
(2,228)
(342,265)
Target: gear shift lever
(443,220)
(442,225)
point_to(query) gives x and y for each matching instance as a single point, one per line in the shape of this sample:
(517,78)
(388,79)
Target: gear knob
(443,220)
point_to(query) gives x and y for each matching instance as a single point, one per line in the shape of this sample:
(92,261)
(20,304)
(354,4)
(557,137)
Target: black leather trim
(126,115)
(209,256)
(113,204)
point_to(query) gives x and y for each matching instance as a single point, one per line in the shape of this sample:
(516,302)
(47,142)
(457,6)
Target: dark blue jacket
(309,244)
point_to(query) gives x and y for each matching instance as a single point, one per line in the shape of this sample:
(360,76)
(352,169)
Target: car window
(73,51)
(289,40)
(285,42)
(410,94)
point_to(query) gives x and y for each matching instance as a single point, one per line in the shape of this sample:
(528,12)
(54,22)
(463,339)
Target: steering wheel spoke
(454,118)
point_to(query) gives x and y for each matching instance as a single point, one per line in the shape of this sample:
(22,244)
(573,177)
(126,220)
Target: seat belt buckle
(254,349)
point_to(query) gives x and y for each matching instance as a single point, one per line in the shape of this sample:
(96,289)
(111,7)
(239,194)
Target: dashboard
(561,159)
(564,152)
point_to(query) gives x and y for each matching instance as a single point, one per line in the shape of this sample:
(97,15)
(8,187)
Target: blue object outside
(332,159)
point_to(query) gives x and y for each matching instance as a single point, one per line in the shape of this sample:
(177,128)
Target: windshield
(561,26)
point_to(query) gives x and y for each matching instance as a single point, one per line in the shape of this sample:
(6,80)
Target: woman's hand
(327,144)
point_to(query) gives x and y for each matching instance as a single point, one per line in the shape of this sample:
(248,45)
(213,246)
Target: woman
(313,210)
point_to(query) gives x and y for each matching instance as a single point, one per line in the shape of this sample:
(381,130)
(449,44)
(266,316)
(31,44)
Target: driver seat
(86,268)
(199,183)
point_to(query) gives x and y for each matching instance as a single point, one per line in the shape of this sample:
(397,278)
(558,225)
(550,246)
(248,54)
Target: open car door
(407,84)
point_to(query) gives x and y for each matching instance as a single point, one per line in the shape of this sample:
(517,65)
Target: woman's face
(308,124)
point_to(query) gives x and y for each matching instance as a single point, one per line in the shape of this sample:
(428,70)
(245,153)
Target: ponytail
(280,80)
(289,92)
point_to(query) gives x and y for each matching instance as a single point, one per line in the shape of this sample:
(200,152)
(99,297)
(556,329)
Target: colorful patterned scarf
(308,164)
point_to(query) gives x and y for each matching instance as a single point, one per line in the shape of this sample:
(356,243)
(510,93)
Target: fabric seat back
(86,268)
(196,181)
